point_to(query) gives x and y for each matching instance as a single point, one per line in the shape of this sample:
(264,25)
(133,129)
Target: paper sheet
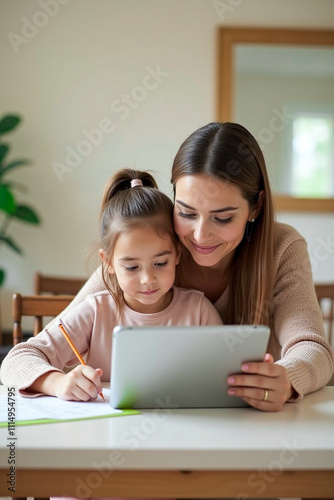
(48,407)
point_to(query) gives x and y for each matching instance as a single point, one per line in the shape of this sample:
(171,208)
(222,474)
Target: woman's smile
(205,249)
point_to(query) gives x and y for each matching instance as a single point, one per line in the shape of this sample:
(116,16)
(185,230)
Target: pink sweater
(90,325)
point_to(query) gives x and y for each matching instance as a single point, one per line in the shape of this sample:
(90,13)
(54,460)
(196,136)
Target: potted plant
(10,208)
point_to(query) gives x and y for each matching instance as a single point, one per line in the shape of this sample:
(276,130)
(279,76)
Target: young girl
(139,252)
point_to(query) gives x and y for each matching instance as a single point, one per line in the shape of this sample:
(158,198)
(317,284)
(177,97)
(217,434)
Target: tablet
(181,366)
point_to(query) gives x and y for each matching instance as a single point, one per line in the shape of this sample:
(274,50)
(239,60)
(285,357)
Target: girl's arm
(46,354)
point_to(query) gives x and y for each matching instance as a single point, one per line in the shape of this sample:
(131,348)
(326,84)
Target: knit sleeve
(297,320)
(49,350)
(309,360)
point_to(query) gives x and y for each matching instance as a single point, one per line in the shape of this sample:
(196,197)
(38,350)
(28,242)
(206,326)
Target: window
(312,155)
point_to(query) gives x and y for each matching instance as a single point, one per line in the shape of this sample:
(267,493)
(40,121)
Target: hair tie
(136,182)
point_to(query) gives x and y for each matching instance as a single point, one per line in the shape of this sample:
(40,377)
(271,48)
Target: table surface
(207,453)
(298,437)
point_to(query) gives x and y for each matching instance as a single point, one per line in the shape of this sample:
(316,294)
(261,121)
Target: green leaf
(14,164)
(8,241)
(27,214)
(7,201)
(2,276)
(4,148)
(8,123)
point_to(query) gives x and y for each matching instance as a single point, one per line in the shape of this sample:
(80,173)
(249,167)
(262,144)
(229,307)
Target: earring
(249,229)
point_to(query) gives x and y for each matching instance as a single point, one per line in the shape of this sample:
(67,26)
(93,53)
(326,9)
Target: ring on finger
(266,394)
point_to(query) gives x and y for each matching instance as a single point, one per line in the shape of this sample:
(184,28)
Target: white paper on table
(49,407)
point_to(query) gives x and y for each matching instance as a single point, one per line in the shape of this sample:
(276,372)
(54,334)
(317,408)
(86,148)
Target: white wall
(65,76)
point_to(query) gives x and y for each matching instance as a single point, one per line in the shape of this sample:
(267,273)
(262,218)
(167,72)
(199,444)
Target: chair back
(36,306)
(57,285)
(325,295)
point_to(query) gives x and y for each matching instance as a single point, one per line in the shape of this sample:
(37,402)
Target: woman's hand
(263,385)
(83,383)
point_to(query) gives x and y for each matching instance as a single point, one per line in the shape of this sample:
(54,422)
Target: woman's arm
(298,322)
(304,358)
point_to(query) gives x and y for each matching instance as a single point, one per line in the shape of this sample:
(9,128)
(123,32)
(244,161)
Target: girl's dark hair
(125,208)
(228,152)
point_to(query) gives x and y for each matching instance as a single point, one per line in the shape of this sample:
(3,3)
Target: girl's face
(210,217)
(144,264)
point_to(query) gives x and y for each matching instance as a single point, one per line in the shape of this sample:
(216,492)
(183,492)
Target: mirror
(279,83)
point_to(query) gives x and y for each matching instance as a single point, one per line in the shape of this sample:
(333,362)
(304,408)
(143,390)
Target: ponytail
(131,199)
(121,181)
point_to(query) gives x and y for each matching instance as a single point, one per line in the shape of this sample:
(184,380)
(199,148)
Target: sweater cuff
(296,376)
(309,360)
(24,389)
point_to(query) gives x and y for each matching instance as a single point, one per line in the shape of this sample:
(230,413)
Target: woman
(253,269)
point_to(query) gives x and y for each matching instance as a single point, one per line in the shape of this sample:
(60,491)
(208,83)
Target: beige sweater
(297,339)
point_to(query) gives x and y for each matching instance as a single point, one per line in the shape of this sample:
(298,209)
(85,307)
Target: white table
(212,453)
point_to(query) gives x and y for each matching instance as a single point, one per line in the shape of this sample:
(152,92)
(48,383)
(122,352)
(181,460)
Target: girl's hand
(263,385)
(83,383)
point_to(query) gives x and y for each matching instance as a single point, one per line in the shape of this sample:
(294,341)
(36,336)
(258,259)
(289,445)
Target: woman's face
(210,217)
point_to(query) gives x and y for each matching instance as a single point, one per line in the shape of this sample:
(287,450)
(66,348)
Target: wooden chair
(325,295)
(57,285)
(36,306)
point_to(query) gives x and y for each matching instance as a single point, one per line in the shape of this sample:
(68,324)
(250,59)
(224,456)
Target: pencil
(74,349)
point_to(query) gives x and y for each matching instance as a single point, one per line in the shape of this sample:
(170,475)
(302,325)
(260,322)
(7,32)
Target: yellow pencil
(74,349)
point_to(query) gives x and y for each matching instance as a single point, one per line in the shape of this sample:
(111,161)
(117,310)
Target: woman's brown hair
(125,208)
(228,152)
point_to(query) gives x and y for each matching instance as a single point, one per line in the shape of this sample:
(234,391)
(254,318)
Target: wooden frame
(57,285)
(227,39)
(173,483)
(36,306)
